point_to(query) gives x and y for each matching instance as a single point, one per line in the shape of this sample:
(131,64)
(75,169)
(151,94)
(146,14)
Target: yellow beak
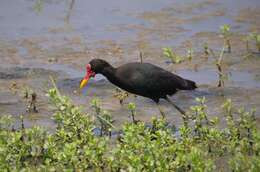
(83,83)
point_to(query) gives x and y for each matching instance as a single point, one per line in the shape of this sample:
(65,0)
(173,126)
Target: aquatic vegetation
(204,144)
(169,53)
(32,103)
(31,96)
(221,75)
(225,33)
(256,37)
(121,95)
(26,92)
(141,56)
(190,54)
(14,87)
(52,59)
(132,108)
(69,12)
(104,118)
(257,40)
(246,39)
(206,50)
(38,6)
(73,146)
(219,64)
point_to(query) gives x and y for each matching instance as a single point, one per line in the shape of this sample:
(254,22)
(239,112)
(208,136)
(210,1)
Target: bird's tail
(188,85)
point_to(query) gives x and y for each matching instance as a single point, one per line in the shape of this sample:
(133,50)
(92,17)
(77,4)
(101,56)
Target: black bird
(142,79)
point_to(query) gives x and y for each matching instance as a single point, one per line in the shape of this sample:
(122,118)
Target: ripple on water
(209,76)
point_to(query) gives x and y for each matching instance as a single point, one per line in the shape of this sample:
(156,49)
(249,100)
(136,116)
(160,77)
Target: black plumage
(143,79)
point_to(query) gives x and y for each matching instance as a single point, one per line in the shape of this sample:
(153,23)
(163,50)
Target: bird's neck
(109,72)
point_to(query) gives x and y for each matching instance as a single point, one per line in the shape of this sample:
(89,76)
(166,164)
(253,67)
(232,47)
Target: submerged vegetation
(199,146)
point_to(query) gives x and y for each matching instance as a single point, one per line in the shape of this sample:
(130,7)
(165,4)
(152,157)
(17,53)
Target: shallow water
(35,45)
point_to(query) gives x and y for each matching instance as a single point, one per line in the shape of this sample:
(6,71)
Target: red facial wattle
(90,73)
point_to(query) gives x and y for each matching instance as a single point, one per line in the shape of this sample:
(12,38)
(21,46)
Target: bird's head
(94,67)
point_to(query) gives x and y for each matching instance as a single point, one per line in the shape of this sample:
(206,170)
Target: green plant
(26,92)
(244,138)
(6,122)
(32,103)
(132,108)
(206,49)
(73,146)
(221,75)
(154,149)
(120,95)
(225,33)
(256,37)
(141,56)
(190,54)
(76,145)
(246,39)
(167,52)
(104,118)
(38,6)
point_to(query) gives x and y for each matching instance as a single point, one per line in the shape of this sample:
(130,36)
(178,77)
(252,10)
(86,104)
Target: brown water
(36,44)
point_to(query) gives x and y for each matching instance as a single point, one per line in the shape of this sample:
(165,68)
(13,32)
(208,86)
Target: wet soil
(35,45)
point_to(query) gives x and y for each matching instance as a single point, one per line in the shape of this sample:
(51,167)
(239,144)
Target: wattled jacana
(142,79)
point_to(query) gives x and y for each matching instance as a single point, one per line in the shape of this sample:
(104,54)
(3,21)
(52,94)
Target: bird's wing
(149,79)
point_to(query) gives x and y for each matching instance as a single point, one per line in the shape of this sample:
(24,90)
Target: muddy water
(37,41)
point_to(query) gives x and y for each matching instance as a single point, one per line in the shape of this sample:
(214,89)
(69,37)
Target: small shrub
(167,52)
(225,33)
(73,146)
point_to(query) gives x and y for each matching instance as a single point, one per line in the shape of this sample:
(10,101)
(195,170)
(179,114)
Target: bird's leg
(161,111)
(184,116)
(177,107)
